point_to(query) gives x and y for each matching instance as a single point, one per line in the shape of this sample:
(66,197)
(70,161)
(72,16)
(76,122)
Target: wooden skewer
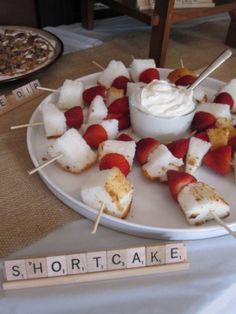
(44,165)
(25,125)
(132,56)
(98,218)
(98,65)
(181,63)
(220,221)
(46,89)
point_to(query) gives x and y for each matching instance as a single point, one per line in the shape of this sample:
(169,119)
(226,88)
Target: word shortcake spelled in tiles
(93,262)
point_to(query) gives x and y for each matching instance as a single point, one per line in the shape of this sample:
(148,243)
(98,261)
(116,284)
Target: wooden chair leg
(87,14)
(160,33)
(231,35)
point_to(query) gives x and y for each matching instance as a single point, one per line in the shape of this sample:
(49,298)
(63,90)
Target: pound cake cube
(198,199)
(111,188)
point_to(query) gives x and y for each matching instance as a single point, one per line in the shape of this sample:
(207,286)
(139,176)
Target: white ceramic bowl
(162,128)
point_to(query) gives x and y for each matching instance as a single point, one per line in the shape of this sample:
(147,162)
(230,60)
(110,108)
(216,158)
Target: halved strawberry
(219,159)
(111,160)
(90,93)
(120,105)
(149,75)
(179,148)
(202,120)
(120,82)
(74,117)
(185,80)
(224,98)
(123,120)
(177,181)
(177,74)
(94,135)
(144,147)
(232,143)
(203,136)
(124,137)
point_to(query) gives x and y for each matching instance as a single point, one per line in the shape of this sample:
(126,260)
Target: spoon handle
(212,67)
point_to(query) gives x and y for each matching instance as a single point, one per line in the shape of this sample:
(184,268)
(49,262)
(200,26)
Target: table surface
(209,286)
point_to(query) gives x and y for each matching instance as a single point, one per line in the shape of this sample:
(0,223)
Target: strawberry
(219,159)
(120,82)
(74,117)
(90,93)
(111,160)
(202,121)
(144,147)
(123,119)
(179,148)
(203,136)
(224,98)
(177,74)
(124,137)
(232,143)
(149,75)
(177,180)
(120,105)
(94,135)
(185,80)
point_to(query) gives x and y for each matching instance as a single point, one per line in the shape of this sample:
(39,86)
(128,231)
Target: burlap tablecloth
(28,210)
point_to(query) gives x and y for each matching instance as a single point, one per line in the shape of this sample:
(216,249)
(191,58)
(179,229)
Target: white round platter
(153,214)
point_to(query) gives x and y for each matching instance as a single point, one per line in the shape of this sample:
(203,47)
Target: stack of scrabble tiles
(91,266)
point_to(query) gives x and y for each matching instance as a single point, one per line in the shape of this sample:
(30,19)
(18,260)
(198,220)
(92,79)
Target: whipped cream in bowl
(161,110)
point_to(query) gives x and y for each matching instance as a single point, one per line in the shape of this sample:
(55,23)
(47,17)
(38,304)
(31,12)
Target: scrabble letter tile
(76,264)
(175,253)
(136,257)
(3,101)
(19,94)
(36,267)
(97,261)
(155,255)
(116,259)
(34,85)
(27,90)
(15,270)
(56,266)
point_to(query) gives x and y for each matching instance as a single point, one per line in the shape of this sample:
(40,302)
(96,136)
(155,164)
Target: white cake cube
(54,120)
(76,153)
(111,188)
(159,162)
(196,151)
(230,88)
(217,110)
(198,199)
(112,128)
(112,71)
(97,110)
(127,149)
(71,94)
(140,65)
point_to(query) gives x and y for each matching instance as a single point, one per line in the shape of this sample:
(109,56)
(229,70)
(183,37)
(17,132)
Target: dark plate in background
(56,50)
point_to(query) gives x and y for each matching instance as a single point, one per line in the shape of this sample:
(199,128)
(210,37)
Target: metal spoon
(212,67)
